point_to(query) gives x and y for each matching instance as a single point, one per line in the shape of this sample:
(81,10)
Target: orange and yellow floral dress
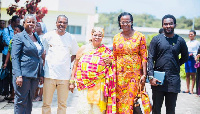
(129,53)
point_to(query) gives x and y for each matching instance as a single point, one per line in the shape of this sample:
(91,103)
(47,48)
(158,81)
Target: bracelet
(144,76)
(72,81)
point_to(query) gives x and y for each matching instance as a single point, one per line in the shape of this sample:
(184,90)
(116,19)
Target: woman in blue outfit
(27,65)
(193,46)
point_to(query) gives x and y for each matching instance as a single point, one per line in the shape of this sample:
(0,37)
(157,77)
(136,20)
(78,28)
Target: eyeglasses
(125,23)
(96,36)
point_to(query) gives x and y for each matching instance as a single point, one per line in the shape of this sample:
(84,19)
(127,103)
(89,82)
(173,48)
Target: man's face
(2,24)
(168,26)
(61,24)
(17,22)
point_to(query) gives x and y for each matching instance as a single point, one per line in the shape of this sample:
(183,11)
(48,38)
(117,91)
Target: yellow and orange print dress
(129,53)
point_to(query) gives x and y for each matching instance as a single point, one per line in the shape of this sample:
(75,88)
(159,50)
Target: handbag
(147,106)
(197,65)
(145,100)
(3,73)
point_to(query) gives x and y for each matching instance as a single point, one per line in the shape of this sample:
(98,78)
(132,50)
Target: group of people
(108,81)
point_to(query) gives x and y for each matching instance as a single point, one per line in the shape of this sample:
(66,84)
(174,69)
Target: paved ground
(186,104)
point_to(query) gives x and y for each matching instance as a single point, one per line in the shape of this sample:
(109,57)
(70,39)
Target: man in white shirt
(59,46)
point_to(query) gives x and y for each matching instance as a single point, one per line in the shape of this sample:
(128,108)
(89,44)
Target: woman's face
(97,38)
(30,24)
(38,28)
(125,23)
(191,35)
(17,30)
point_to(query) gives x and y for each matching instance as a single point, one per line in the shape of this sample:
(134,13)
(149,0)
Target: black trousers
(170,101)
(7,81)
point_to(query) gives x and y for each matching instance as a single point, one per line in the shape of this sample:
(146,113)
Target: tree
(31,7)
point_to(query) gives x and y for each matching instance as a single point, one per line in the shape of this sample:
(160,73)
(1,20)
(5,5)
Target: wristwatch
(150,78)
(19,77)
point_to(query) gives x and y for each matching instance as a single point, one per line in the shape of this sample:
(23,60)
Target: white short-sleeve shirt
(193,46)
(58,54)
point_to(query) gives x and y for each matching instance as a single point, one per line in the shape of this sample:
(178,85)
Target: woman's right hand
(71,87)
(4,66)
(19,81)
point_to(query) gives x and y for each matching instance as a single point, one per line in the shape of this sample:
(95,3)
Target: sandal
(11,101)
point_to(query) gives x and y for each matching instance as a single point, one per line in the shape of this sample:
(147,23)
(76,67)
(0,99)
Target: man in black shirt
(163,56)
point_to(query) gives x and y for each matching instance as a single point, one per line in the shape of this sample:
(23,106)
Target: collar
(10,28)
(169,37)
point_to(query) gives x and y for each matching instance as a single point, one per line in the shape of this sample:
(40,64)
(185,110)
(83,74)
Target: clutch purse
(159,76)
(197,65)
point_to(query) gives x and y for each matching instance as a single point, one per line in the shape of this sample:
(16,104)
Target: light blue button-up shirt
(7,37)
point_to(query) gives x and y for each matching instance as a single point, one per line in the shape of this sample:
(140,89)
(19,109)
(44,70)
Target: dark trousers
(24,95)
(7,85)
(170,101)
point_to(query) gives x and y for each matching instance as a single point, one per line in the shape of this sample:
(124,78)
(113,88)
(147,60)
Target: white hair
(28,16)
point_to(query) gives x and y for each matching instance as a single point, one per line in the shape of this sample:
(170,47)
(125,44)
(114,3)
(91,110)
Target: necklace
(30,35)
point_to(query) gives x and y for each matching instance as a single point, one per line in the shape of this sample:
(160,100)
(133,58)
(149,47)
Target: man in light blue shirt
(8,34)
(2,25)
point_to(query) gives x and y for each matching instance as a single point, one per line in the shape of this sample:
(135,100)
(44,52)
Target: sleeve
(45,41)
(75,46)
(184,52)
(152,55)
(15,54)
(6,36)
(143,49)
(114,49)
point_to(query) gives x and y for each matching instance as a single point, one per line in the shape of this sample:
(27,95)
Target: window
(74,29)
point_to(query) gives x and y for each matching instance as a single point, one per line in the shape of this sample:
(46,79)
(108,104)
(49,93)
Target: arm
(184,52)
(78,56)
(151,59)
(143,54)
(16,53)
(7,59)
(6,37)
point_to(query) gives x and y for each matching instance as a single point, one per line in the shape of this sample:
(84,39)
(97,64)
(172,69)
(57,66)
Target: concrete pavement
(186,103)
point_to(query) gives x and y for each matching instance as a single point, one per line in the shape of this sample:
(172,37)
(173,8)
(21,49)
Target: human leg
(62,94)
(33,86)
(157,97)
(170,102)
(49,88)
(187,82)
(21,96)
(193,82)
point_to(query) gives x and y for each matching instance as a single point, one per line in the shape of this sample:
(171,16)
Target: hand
(153,82)
(19,81)
(4,66)
(107,61)
(143,80)
(191,54)
(41,80)
(71,87)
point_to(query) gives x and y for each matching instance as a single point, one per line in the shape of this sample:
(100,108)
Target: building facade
(81,15)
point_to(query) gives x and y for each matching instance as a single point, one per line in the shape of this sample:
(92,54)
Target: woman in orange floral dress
(130,55)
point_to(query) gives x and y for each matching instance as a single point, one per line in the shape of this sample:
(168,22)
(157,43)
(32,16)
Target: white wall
(79,12)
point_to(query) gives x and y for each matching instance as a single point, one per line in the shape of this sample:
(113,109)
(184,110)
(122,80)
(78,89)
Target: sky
(157,8)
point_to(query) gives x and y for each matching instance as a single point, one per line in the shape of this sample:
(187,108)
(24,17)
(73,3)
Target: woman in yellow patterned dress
(130,55)
(93,71)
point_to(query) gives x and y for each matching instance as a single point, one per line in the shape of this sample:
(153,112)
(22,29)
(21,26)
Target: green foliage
(109,21)
(182,71)
(149,38)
